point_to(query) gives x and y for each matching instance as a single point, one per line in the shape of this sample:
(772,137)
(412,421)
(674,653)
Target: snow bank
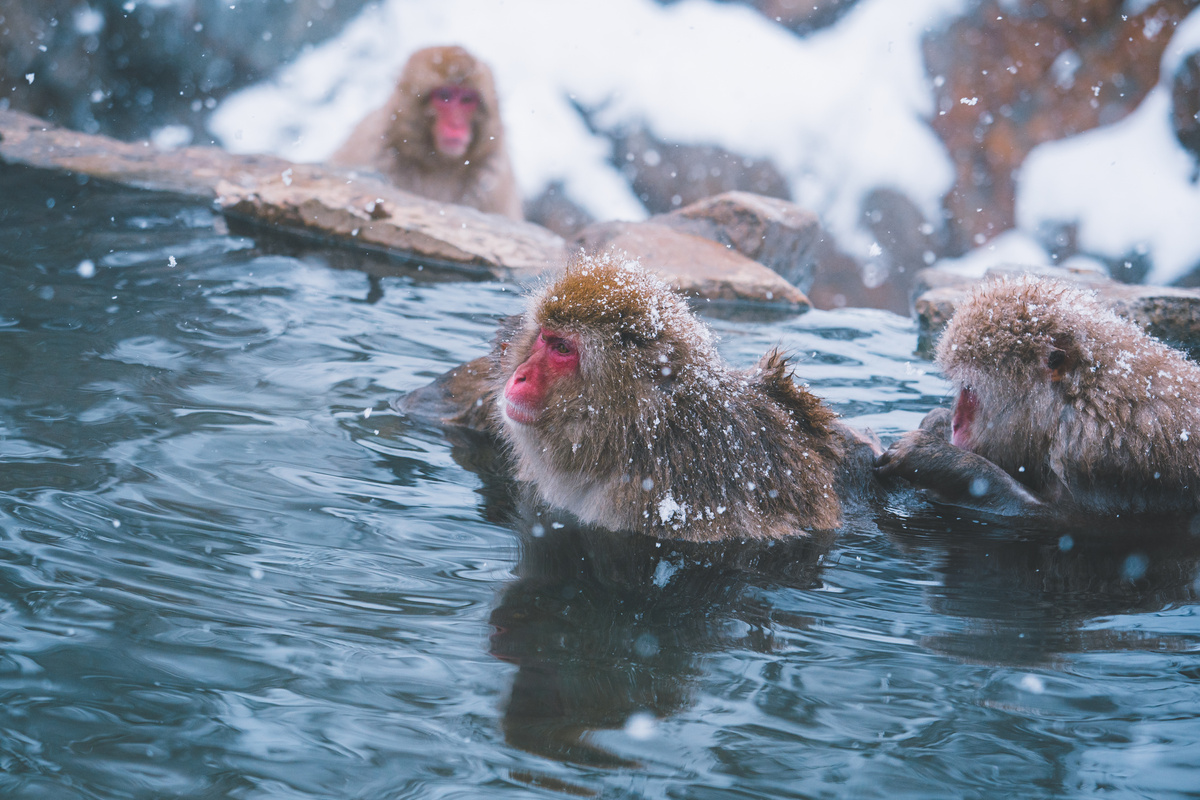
(1128,184)
(840,112)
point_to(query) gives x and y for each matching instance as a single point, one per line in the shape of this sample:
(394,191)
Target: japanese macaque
(618,408)
(1063,409)
(439,135)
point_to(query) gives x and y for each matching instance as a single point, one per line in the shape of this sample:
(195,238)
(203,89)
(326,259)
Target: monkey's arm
(926,458)
(463,397)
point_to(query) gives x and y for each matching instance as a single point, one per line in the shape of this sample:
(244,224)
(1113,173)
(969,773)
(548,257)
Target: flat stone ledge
(776,233)
(364,218)
(339,207)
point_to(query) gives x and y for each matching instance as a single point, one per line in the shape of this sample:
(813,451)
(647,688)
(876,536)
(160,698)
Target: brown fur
(656,434)
(397,138)
(1079,406)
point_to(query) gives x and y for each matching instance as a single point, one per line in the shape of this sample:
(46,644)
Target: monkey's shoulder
(773,377)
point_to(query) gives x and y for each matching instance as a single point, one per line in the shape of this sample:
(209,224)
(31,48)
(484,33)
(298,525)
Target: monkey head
(597,338)
(1014,351)
(618,408)
(455,99)
(596,386)
(1049,380)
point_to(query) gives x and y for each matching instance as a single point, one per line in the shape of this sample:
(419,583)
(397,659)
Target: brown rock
(776,233)
(803,16)
(696,266)
(1170,313)
(934,309)
(309,202)
(841,281)
(377,217)
(306,201)
(909,243)
(1013,75)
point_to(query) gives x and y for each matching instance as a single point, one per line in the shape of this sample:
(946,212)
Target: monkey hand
(926,458)
(918,456)
(937,422)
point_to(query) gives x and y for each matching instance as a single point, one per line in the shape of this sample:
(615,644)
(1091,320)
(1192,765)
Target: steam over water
(229,569)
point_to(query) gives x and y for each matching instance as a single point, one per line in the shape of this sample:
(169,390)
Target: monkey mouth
(965,409)
(520,413)
(453,145)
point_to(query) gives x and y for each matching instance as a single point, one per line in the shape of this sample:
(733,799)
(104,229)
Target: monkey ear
(1062,358)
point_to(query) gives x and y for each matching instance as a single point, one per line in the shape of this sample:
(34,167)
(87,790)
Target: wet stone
(776,233)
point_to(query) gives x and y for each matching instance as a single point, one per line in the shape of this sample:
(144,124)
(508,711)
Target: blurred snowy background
(958,132)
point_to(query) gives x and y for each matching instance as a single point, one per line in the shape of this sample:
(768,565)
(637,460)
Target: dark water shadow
(607,628)
(1031,595)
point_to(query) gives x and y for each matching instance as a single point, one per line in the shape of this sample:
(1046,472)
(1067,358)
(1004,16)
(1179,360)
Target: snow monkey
(1063,410)
(439,135)
(618,408)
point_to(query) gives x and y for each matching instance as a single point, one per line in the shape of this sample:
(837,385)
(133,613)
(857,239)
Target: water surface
(228,569)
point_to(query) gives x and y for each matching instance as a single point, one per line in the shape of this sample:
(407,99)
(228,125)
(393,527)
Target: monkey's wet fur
(1063,411)
(618,408)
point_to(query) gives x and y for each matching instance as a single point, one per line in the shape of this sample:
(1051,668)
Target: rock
(803,16)
(789,239)
(666,175)
(841,281)
(1010,76)
(908,243)
(694,265)
(1185,107)
(375,216)
(934,309)
(1171,313)
(553,209)
(306,201)
(776,233)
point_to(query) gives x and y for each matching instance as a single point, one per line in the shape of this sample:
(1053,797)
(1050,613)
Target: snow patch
(1128,185)
(841,112)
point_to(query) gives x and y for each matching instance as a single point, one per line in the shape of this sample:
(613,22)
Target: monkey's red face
(554,357)
(965,409)
(453,109)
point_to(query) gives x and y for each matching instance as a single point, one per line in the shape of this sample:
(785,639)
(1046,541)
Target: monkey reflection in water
(608,629)
(1029,593)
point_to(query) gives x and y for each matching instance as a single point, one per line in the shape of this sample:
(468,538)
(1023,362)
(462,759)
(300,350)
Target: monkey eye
(469,98)
(559,344)
(443,95)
